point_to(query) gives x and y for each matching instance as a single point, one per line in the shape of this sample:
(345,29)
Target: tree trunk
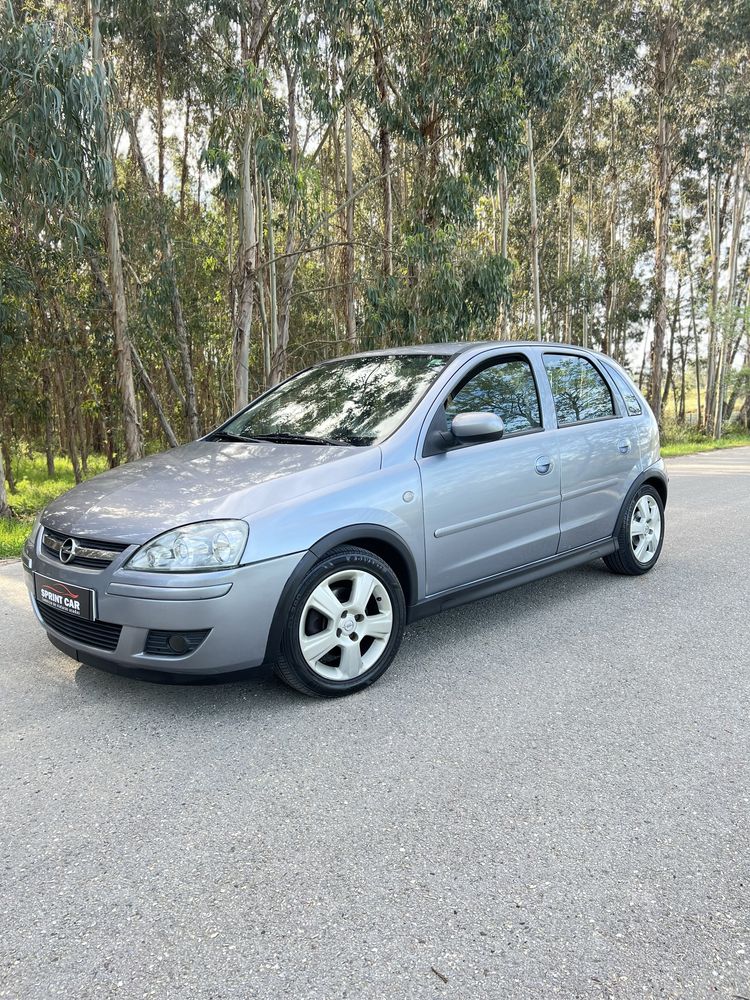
(713,213)
(503,198)
(683,379)
(246,267)
(184,164)
(146,381)
(568,333)
(125,382)
(5,511)
(152,394)
(589,223)
(67,424)
(668,380)
(611,290)
(49,447)
(665,74)
(7,459)
(289,264)
(733,300)
(82,437)
(180,327)
(267,274)
(159,124)
(693,323)
(351,326)
(384,142)
(534,234)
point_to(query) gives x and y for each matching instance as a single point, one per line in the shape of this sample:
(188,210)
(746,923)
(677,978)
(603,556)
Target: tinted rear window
(579,390)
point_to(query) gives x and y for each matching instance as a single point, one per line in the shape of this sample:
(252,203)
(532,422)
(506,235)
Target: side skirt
(512,578)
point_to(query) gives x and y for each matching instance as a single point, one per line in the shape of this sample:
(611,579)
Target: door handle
(543,465)
(623,445)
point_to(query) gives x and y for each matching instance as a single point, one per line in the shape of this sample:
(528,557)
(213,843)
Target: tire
(344,626)
(640,530)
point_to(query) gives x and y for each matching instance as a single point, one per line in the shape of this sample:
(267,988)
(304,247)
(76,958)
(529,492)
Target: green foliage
(34,491)
(50,121)
(440,91)
(454,298)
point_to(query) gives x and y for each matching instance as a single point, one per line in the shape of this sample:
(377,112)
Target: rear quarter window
(626,390)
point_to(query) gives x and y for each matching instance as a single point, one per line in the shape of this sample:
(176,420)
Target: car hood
(200,481)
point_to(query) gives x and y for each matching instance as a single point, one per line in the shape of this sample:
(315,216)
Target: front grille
(101,635)
(157,642)
(89,552)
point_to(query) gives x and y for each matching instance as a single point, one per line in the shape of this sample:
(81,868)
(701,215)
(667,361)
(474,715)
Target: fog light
(178,644)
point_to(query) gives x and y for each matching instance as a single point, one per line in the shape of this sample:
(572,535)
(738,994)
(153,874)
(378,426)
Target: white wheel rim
(345,626)
(645,529)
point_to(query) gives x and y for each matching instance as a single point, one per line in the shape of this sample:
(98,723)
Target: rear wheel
(640,535)
(345,624)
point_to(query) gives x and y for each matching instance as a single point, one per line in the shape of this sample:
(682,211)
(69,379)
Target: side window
(506,388)
(626,391)
(579,391)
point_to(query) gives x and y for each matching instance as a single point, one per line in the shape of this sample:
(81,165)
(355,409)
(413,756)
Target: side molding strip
(476,522)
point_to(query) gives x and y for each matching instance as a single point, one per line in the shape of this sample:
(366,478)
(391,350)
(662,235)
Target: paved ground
(548,795)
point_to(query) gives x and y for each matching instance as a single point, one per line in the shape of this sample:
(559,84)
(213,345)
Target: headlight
(208,545)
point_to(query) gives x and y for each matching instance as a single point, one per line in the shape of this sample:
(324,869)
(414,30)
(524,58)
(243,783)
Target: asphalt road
(548,795)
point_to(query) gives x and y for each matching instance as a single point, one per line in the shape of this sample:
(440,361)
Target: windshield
(357,401)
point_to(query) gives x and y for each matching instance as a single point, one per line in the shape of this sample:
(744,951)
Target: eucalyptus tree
(460,79)
(157,47)
(51,111)
(716,148)
(55,157)
(694,76)
(123,348)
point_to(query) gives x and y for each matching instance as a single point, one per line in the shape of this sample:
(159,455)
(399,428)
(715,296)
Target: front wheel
(640,535)
(345,624)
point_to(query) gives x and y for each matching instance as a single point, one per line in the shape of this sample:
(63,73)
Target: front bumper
(236,605)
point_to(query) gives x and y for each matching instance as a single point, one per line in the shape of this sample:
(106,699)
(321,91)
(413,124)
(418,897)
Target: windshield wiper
(228,436)
(299,439)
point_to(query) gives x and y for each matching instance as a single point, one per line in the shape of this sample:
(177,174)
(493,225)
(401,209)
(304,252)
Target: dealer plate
(78,602)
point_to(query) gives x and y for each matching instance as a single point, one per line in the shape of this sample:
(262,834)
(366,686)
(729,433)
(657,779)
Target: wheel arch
(658,481)
(651,477)
(376,538)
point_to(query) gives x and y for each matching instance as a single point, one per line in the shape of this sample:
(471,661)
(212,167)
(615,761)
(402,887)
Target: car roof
(462,346)
(446,349)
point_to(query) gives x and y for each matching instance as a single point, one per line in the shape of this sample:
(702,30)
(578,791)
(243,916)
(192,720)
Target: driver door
(490,506)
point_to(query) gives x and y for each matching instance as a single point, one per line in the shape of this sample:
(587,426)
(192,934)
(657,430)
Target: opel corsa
(357,496)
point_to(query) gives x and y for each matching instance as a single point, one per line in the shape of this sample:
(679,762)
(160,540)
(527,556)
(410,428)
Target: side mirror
(467,426)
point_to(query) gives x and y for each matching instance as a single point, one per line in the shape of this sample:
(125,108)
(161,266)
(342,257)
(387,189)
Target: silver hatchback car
(358,495)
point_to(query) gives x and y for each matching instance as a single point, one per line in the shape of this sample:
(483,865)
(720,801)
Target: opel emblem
(68,550)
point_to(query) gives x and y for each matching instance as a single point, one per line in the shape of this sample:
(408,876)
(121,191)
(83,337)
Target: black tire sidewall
(335,562)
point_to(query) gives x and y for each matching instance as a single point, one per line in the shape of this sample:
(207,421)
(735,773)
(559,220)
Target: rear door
(490,506)
(598,448)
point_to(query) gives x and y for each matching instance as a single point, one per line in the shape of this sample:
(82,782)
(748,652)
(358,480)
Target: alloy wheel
(346,624)
(645,529)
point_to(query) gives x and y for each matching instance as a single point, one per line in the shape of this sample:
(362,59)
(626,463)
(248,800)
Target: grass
(678,440)
(34,490)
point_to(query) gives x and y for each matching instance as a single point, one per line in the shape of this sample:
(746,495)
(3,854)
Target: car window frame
(611,370)
(460,379)
(617,405)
